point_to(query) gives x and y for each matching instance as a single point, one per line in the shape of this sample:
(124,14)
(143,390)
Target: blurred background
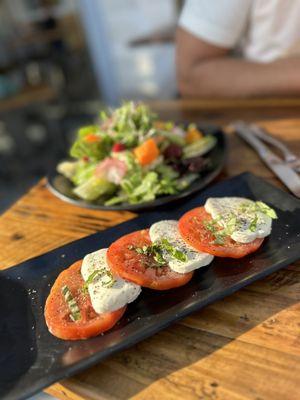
(61,61)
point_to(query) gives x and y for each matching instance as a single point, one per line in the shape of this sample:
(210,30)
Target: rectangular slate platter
(32,359)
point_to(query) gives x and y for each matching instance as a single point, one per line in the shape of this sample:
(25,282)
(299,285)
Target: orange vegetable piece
(193,135)
(91,138)
(146,152)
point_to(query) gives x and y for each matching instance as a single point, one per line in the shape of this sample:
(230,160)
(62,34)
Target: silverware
(284,172)
(289,157)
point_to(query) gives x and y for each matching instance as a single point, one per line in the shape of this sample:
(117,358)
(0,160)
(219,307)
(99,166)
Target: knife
(285,173)
(290,158)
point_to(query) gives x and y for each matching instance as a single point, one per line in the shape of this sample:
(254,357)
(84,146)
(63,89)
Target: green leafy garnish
(94,151)
(253,224)
(234,221)
(214,228)
(265,209)
(156,250)
(210,226)
(153,250)
(75,314)
(173,251)
(231,224)
(219,239)
(99,273)
(259,206)
(129,123)
(140,185)
(158,257)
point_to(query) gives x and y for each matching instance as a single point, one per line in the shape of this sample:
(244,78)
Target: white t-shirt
(259,30)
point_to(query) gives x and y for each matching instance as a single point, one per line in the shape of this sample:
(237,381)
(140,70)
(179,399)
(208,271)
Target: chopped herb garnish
(210,226)
(231,224)
(214,228)
(153,250)
(75,314)
(173,251)
(219,239)
(103,272)
(156,250)
(143,250)
(265,209)
(253,224)
(110,282)
(234,221)
(158,257)
(259,206)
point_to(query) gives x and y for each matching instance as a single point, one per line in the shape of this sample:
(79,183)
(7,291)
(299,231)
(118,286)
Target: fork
(290,158)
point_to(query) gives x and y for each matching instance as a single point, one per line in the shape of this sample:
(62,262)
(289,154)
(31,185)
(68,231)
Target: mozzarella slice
(224,208)
(106,299)
(169,230)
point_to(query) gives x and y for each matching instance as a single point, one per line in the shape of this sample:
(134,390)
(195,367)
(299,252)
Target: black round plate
(63,188)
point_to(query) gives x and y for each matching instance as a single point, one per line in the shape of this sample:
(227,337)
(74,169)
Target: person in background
(239,48)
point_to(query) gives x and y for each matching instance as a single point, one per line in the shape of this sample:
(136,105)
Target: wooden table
(246,346)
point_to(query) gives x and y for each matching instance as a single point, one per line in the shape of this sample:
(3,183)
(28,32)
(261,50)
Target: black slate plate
(31,358)
(63,188)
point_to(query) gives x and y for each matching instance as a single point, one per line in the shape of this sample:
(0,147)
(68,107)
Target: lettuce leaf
(83,172)
(94,151)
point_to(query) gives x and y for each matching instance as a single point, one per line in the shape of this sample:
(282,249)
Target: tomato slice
(142,269)
(57,313)
(192,228)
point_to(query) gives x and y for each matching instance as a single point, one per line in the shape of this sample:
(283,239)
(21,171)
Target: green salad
(131,156)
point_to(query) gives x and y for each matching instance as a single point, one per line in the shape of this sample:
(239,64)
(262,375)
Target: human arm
(207,70)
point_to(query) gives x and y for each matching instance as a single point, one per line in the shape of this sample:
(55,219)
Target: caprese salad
(90,297)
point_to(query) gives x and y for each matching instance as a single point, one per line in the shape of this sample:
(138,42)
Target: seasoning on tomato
(198,229)
(135,258)
(69,313)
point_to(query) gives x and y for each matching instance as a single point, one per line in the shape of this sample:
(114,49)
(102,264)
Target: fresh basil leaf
(253,224)
(75,314)
(173,251)
(265,209)
(99,272)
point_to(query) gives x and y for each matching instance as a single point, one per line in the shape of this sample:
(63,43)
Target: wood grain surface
(246,346)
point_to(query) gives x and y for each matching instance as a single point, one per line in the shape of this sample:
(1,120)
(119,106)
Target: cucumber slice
(184,182)
(94,188)
(200,147)
(173,138)
(67,168)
